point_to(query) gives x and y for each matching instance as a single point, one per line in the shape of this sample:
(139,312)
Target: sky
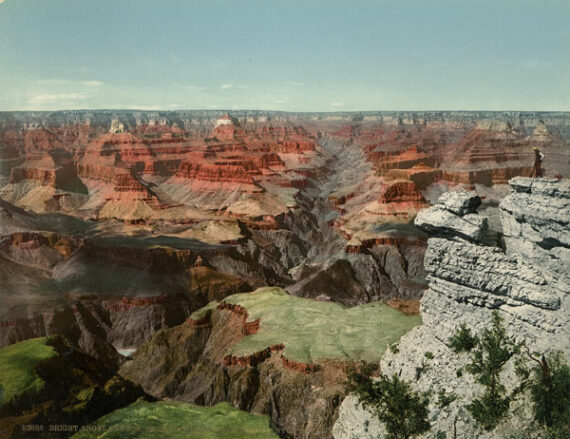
(289,55)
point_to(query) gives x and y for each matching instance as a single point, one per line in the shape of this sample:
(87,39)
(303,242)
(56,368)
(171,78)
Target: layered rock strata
(524,276)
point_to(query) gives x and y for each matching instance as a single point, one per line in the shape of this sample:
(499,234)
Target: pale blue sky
(293,55)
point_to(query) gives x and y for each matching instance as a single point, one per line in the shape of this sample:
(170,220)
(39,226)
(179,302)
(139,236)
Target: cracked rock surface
(526,279)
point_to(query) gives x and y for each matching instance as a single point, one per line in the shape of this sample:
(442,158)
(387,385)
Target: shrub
(462,340)
(444,399)
(402,410)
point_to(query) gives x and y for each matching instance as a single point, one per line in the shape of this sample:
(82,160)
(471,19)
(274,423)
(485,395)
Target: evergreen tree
(493,350)
(403,411)
(550,394)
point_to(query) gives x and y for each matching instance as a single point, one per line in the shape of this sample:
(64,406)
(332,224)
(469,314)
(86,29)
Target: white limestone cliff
(523,273)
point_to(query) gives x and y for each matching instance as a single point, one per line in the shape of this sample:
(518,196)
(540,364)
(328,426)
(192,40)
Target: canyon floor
(206,265)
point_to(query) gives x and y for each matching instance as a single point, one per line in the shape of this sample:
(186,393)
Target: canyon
(131,233)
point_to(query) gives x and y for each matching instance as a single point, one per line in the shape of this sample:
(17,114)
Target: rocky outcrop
(524,277)
(454,214)
(189,363)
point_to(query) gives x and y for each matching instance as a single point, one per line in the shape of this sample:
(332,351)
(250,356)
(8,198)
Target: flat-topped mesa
(399,199)
(228,132)
(222,173)
(402,191)
(39,167)
(421,174)
(400,160)
(541,133)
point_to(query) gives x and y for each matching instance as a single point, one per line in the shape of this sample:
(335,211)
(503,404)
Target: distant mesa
(224,119)
(541,133)
(494,125)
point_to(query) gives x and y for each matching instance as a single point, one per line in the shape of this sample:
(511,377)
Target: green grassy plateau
(177,420)
(17,367)
(313,331)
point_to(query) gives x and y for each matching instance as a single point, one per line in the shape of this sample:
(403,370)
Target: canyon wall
(520,269)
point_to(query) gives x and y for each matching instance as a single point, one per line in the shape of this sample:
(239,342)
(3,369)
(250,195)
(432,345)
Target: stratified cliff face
(522,271)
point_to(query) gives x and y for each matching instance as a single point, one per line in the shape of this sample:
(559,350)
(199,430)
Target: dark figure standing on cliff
(538,156)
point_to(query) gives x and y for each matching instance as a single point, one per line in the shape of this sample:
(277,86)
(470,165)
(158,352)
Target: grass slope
(313,331)
(17,367)
(177,420)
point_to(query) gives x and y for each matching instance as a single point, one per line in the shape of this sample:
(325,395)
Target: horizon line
(227,110)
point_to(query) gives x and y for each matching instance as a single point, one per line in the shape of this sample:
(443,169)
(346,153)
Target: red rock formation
(40,139)
(45,177)
(299,366)
(122,164)
(39,167)
(129,303)
(399,199)
(218,173)
(421,174)
(228,132)
(248,327)
(252,359)
(452,152)
(410,307)
(485,176)
(400,160)
(401,192)
(342,199)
